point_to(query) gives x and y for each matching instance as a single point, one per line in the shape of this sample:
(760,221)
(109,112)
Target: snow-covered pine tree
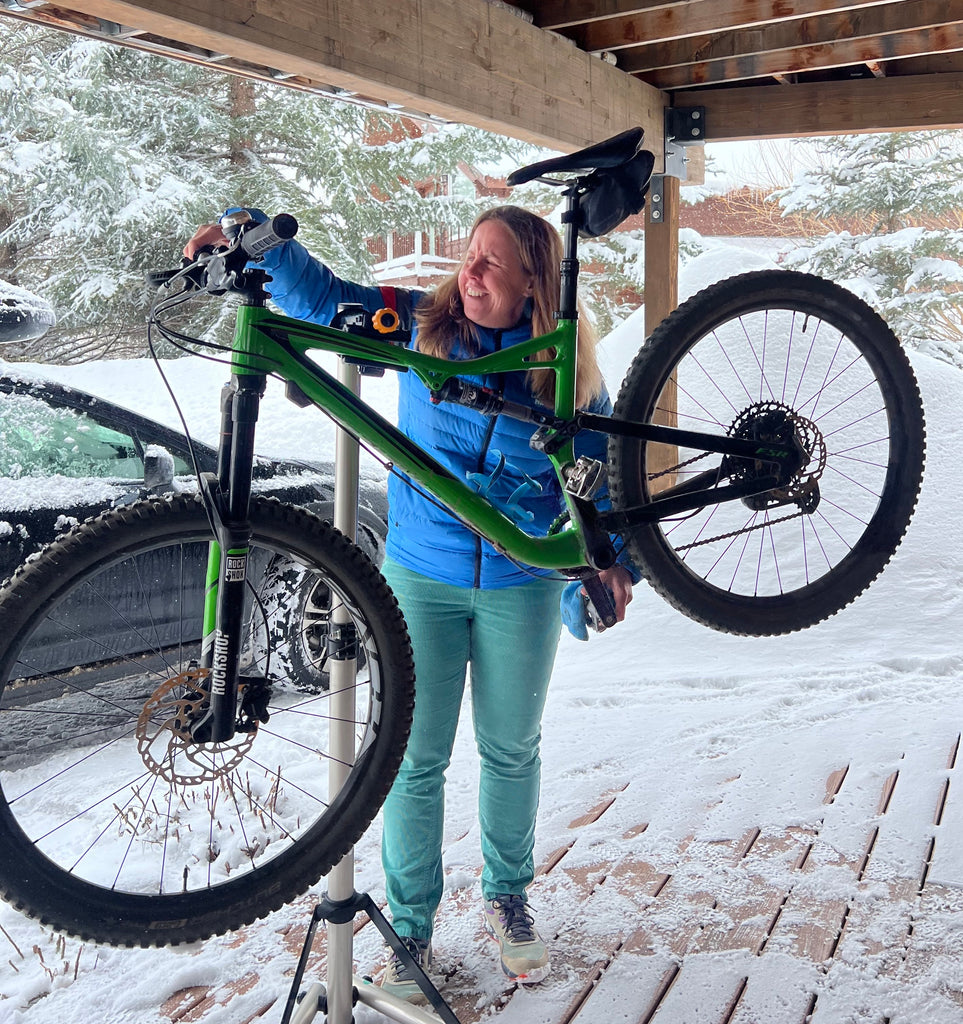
(110,157)
(895,202)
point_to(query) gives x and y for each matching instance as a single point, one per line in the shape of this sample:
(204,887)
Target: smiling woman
(493,282)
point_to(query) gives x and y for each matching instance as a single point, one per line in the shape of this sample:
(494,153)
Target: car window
(37,439)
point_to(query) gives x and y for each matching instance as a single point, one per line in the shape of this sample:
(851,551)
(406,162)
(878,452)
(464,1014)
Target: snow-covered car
(23,315)
(66,455)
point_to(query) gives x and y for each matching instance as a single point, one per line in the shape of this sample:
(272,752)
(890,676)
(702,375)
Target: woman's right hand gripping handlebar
(207,238)
(261,232)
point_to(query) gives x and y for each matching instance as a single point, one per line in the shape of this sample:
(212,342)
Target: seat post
(568,296)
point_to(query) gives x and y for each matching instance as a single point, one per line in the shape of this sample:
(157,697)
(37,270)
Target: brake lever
(191,271)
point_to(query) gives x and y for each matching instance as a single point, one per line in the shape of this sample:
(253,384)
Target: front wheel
(114,824)
(776,357)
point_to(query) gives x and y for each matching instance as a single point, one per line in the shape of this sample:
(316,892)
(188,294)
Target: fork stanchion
(341,903)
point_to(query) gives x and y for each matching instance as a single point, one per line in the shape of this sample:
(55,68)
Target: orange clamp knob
(385,321)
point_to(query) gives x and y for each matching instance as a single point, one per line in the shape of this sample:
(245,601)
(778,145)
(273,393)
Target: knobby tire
(115,829)
(756,355)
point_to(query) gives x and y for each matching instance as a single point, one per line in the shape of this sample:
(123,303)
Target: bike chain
(721,536)
(737,533)
(678,466)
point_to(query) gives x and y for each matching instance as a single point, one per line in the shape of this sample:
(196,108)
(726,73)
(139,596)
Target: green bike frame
(267,342)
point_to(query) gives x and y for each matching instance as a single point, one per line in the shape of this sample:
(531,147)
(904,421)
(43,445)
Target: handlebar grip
(269,235)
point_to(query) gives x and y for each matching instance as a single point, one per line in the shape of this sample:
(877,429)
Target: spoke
(311,796)
(801,376)
(63,771)
(145,801)
(87,808)
(852,480)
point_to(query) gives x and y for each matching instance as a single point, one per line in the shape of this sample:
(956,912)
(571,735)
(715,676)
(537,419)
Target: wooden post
(661,297)
(661,251)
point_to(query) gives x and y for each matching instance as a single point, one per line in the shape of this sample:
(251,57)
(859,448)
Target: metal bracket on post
(684,127)
(657,198)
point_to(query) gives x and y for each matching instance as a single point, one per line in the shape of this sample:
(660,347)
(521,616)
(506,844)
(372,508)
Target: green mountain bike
(167,699)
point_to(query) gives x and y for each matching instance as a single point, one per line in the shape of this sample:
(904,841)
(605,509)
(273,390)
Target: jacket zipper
(497,338)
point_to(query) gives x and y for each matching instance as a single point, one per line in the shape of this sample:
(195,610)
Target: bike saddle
(612,152)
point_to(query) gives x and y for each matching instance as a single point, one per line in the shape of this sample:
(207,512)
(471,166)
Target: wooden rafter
(485,63)
(472,61)
(826,55)
(911,103)
(911,28)
(699,17)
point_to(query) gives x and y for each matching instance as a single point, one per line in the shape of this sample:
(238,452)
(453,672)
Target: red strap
(388,295)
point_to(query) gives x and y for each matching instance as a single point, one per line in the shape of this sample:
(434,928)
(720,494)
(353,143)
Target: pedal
(586,478)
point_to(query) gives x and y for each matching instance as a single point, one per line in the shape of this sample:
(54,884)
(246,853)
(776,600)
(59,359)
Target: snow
(26,302)
(665,712)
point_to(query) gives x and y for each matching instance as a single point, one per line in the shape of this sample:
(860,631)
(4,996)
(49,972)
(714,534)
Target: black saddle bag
(614,194)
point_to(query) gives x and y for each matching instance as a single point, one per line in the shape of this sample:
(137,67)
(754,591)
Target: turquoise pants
(509,637)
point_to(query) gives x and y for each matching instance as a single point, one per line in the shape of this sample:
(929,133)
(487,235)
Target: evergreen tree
(897,203)
(109,158)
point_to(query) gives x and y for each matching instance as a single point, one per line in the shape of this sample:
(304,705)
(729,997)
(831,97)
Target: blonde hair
(441,317)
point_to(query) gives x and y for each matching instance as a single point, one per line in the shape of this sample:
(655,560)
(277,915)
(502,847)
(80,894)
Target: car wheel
(295,621)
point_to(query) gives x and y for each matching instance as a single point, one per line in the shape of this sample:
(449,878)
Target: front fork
(227,496)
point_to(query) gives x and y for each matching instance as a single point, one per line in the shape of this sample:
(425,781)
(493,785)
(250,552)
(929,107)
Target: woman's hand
(206,236)
(619,582)
(574,606)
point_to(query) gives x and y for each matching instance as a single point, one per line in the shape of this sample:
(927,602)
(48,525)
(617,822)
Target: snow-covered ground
(659,702)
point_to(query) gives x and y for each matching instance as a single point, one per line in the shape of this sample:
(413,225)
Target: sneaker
(398,979)
(509,922)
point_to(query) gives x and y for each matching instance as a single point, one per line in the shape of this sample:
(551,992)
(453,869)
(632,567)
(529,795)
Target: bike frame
(267,343)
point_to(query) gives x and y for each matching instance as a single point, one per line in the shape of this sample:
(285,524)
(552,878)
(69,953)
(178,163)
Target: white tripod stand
(341,903)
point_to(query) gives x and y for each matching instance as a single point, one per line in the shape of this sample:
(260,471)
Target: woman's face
(492,283)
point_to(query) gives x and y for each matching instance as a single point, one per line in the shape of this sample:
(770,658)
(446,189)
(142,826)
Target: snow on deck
(778,925)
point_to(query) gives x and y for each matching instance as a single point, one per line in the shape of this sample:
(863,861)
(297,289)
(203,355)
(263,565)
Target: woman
(466,604)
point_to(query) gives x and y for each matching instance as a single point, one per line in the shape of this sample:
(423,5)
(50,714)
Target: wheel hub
(777,424)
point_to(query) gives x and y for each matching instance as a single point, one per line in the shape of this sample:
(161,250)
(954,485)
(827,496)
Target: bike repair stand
(341,903)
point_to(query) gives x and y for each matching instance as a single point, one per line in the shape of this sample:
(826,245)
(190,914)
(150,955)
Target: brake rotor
(164,740)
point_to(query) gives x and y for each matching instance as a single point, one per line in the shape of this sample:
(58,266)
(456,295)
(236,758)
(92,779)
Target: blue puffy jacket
(422,536)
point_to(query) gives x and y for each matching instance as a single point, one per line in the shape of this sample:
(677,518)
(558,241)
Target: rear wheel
(772,356)
(114,824)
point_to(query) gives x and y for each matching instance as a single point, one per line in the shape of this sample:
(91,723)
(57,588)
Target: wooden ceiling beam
(870,25)
(559,14)
(682,20)
(468,61)
(816,57)
(908,103)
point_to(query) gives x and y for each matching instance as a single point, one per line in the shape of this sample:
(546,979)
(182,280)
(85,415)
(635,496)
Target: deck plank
(742,921)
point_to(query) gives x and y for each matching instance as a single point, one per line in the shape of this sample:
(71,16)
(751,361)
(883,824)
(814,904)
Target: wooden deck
(783,925)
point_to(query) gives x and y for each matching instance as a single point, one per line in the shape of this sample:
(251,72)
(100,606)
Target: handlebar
(223,269)
(257,240)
